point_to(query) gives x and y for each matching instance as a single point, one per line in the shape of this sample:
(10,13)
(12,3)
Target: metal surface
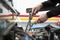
(10,26)
(5,28)
(29,10)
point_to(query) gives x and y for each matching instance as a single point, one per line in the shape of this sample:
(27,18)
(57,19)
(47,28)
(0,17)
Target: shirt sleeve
(48,5)
(54,12)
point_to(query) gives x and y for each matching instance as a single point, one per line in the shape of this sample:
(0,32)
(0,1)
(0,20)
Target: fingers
(34,11)
(42,18)
(38,21)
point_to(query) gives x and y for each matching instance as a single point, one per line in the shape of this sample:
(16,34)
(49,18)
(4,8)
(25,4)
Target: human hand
(42,18)
(36,9)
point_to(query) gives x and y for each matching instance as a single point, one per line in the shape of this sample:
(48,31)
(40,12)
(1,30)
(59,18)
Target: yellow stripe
(53,19)
(26,18)
(35,18)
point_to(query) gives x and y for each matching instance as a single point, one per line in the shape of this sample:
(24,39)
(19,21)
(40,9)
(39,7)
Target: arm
(51,4)
(44,6)
(54,12)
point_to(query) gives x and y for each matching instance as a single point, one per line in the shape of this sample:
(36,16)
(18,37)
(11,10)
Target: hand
(36,9)
(42,18)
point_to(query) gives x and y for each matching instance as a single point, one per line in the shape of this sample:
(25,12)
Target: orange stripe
(7,15)
(27,16)
(23,15)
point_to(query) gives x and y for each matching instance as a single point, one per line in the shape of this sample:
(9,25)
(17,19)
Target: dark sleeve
(54,12)
(47,5)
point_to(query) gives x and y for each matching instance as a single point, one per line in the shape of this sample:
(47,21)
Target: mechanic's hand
(42,18)
(36,9)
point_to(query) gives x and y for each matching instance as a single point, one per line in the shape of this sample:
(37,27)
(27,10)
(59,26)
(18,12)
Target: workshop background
(17,21)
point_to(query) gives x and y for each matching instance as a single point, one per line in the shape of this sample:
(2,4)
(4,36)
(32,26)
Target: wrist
(41,5)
